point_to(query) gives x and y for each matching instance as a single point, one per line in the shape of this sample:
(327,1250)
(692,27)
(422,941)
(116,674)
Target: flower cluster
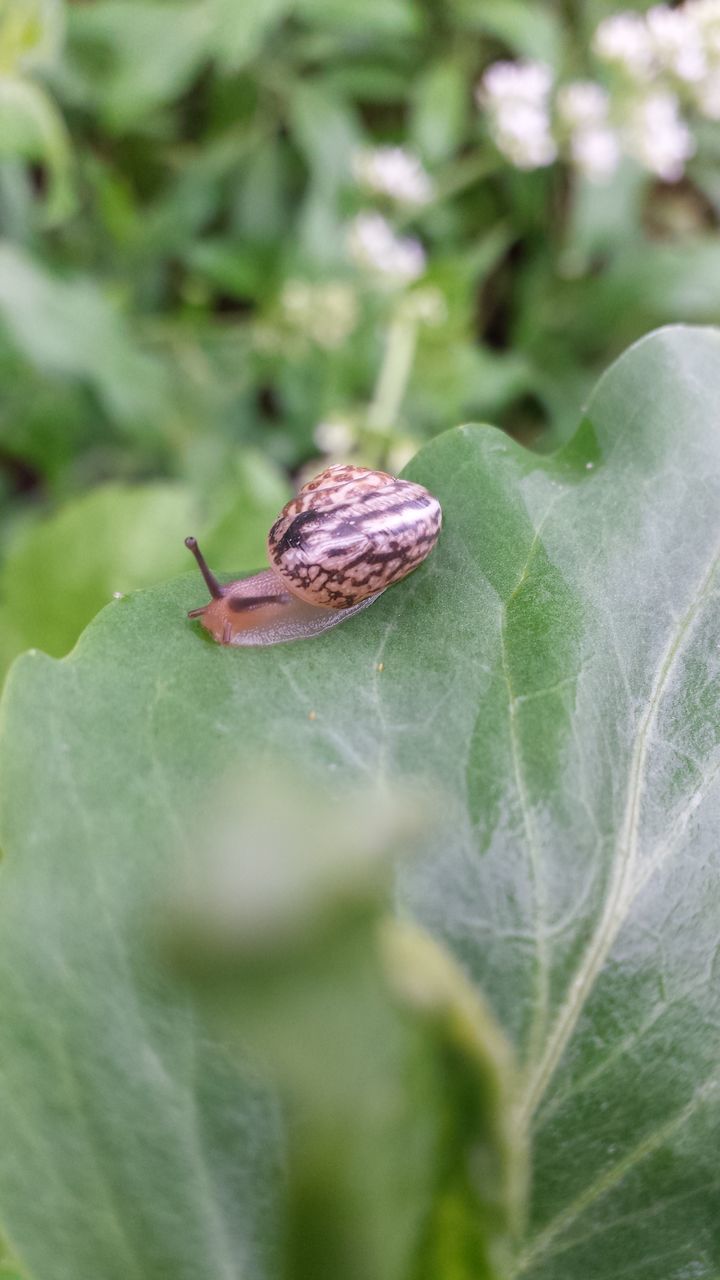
(390,174)
(660,68)
(376,248)
(326,312)
(394,173)
(583,114)
(516,96)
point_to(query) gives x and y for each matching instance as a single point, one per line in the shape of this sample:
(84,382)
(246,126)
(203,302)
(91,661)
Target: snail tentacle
(347,535)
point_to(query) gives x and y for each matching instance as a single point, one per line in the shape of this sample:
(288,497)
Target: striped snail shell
(347,535)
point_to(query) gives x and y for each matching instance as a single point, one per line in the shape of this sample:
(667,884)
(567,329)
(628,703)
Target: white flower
(582,103)
(326,313)
(705,15)
(334,436)
(523,81)
(393,172)
(516,98)
(657,137)
(374,246)
(595,152)
(677,42)
(594,148)
(523,134)
(624,40)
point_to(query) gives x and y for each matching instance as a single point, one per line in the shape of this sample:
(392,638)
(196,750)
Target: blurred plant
(657,65)
(393,172)
(392,260)
(371,432)
(326,313)
(366,1024)
(31,35)
(517,97)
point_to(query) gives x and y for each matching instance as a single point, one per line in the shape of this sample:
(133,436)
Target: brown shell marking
(351,532)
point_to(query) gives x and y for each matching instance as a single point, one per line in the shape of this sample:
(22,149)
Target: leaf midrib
(619,896)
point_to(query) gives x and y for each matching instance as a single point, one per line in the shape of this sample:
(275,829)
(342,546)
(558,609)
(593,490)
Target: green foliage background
(169,167)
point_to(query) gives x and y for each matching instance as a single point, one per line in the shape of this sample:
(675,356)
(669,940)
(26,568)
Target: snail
(347,535)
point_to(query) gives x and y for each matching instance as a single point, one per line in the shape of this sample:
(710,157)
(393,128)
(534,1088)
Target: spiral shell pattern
(350,533)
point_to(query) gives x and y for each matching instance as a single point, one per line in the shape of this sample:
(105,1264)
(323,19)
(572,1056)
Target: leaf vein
(620,893)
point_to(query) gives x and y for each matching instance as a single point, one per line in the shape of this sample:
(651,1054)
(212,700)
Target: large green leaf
(552,673)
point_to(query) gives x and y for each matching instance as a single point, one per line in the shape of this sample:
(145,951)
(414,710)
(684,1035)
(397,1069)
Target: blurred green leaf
(240,29)
(279,927)
(375,18)
(440,110)
(244,507)
(31,33)
(260,212)
(552,673)
(127,57)
(68,328)
(31,127)
(234,264)
(60,571)
(605,216)
(668,280)
(328,135)
(529,30)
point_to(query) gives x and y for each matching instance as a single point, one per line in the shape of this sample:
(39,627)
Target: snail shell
(347,535)
(350,533)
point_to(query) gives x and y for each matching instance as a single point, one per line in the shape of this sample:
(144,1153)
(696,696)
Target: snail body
(347,535)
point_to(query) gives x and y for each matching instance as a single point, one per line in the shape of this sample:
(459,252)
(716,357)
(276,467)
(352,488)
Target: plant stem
(395,370)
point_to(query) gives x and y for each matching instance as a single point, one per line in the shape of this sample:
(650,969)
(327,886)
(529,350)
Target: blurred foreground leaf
(552,673)
(396,1082)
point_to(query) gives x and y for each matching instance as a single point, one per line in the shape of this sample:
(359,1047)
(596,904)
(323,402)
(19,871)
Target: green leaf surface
(9,1269)
(552,672)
